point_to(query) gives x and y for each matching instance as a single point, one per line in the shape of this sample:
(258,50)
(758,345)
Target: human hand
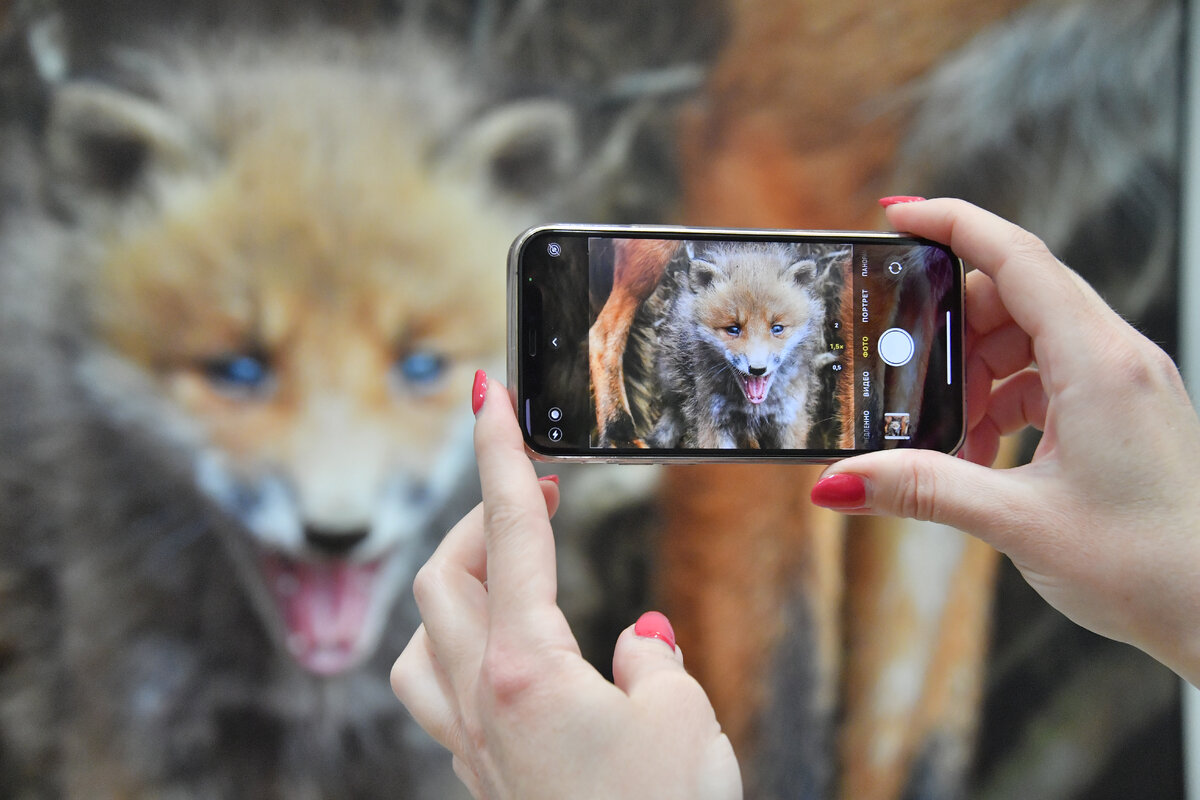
(1105,521)
(495,675)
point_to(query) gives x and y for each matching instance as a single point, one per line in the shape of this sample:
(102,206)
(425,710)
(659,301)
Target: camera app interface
(776,346)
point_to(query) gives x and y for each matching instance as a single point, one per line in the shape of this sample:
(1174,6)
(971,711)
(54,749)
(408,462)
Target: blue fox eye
(239,372)
(776,329)
(421,368)
(733,330)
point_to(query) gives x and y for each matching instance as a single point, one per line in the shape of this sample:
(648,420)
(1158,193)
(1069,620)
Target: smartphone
(637,344)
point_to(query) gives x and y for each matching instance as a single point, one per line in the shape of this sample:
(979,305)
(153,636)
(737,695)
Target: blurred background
(202,201)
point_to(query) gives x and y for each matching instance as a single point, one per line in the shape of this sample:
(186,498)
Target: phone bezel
(684,232)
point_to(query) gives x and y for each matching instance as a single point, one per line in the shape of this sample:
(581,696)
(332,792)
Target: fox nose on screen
(333,542)
(758,370)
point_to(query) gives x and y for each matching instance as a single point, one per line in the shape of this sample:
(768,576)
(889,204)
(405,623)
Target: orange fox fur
(798,127)
(785,137)
(637,268)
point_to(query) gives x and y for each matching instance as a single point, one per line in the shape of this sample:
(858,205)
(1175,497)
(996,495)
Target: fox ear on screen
(701,272)
(802,271)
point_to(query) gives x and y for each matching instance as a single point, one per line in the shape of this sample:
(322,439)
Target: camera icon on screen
(554,249)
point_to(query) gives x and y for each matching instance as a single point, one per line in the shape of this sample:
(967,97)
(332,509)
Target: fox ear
(803,271)
(526,148)
(100,141)
(701,273)
(821,269)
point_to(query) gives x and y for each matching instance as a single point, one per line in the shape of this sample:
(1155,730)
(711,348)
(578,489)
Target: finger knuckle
(1141,366)
(1029,246)
(918,492)
(506,675)
(427,582)
(504,517)
(1160,361)
(402,677)
(1159,367)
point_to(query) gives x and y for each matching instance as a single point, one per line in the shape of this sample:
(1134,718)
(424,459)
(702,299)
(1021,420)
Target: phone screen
(695,344)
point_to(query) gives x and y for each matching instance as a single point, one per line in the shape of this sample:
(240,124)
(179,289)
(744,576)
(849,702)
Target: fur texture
(743,344)
(120,618)
(1067,119)
(237,338)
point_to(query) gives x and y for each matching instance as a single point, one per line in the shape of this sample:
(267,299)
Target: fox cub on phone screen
(743,344)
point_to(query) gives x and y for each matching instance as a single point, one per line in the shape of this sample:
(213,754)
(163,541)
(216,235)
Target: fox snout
(329,562)
(755,364)
(334,543)
(755,369)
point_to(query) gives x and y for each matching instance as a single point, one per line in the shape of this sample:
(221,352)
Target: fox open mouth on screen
(756,386)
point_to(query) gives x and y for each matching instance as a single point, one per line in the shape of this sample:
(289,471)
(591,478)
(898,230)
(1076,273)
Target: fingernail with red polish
(478,391)
(653,625)
(840,491)
(551,478)
(899,198)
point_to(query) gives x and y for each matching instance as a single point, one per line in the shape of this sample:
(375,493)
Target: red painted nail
(478,391)
(899,198)
(840,491)
(552,478)
(654,625)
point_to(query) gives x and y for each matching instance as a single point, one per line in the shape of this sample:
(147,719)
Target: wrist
(1177,643)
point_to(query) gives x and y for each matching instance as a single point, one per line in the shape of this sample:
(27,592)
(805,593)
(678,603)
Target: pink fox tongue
(756,387)
(324,606)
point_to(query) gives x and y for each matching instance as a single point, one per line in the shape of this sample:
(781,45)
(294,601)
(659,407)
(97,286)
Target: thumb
(928,486)
(648,667)
(645,649)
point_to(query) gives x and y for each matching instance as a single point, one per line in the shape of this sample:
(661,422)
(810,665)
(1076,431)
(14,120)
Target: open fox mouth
(755,386)
(324,606)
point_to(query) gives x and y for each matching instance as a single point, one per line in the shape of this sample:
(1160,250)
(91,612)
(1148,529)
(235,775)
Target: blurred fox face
(319,337)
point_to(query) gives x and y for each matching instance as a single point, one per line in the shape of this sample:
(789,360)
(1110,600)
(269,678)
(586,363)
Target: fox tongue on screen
(755,387)
(324,606)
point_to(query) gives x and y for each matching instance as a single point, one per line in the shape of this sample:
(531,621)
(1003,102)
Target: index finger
(520,543)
